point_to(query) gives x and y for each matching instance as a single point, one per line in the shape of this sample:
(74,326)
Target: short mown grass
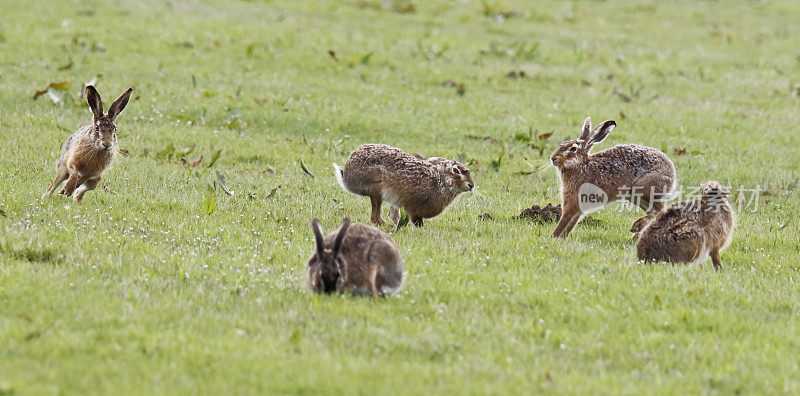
(140,289)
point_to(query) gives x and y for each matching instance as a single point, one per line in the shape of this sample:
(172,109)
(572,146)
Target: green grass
(139,290)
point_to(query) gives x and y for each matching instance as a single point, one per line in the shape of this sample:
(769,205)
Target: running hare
(90,150)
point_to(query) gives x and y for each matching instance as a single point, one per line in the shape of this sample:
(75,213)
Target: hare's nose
(470,185)
(107,145)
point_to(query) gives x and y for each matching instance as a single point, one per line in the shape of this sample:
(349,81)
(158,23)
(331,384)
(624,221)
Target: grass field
(140,290)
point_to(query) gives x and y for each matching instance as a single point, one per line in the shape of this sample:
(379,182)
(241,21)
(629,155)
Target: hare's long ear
(587,127)
(95,103)
(337,244)
(119,104)
(318,236)
(602,131)
(639,224)
(420,156)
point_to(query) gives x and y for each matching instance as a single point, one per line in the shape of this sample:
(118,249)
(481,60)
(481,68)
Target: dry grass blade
(223,183)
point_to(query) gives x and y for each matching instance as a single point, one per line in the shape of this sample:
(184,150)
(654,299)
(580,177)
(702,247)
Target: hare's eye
(573,149)
(456,171)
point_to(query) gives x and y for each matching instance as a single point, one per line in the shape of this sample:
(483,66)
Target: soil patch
(546,214)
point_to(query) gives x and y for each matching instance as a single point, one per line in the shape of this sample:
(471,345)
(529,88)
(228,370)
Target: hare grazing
(90,150)
(423,186)
(643,175)
(358,259)
(688,231)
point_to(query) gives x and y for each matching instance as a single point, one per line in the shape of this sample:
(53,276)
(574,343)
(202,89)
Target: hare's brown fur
(89,151)
(358,259)
(643,175)
(689,231)
(423,186)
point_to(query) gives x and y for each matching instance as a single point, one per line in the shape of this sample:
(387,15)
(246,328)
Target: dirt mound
(545,214)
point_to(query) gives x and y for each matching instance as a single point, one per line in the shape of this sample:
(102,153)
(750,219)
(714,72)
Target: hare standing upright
(90,150)
(643,175)
(688,231)
(423,186)
(358,259)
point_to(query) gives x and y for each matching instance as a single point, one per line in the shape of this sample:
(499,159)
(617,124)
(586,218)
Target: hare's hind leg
(61,174)
(373,280)
(73,182)
(655,191)
(416,221)
(88,185)
(715,259)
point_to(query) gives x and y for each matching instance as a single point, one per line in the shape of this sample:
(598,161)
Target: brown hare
(358,259)
(89,151)
(688,231)
(643,175)
(423,186)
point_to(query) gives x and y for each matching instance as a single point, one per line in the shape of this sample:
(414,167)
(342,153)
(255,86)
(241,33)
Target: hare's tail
(340,177)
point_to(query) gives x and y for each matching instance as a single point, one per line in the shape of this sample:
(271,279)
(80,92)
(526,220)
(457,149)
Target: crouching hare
(358,259)
(642,175)
(423,186)
(688,231)
(90,150)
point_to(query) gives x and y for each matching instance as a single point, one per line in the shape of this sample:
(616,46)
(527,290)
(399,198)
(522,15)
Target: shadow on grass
(31,254)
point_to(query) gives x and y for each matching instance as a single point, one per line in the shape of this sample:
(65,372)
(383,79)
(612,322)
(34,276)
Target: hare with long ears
(423,186)
(689,231)
(90,150)
(358,259)
(642,175)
